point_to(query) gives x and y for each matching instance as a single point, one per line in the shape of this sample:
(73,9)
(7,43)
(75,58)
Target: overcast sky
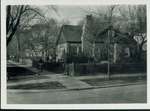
(74,14)
(71,13)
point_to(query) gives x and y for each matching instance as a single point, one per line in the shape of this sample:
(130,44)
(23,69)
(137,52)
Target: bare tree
(136,25)
(110,13)
(16,16)
(44,35)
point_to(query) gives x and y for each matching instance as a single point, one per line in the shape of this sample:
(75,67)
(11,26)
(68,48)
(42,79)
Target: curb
(107,86)
(74,89)
(115,76)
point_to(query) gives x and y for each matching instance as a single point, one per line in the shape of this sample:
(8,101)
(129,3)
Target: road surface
(121,94)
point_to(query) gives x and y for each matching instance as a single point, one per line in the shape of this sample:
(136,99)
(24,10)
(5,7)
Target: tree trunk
(14,28)
(19,49)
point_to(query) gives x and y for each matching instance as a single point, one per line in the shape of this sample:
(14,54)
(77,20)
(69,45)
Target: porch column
(93,51)
(77,50)
(115,53)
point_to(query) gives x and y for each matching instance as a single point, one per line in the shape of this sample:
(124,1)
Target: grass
(27,78)
(98,81)
(18,71)
(46,85)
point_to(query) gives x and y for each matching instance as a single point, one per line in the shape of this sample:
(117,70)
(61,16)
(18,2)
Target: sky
(73,14)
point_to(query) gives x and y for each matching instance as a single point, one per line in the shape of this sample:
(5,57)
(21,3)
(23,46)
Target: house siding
(61,50)
(74,49)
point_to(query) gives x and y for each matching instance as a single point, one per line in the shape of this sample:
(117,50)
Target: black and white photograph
(75,54)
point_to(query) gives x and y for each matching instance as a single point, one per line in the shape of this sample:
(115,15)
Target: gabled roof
(118,37)
(123,38)
(71,33)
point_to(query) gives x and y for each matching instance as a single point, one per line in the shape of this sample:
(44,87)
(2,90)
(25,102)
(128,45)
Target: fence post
(72,69)
(67,68)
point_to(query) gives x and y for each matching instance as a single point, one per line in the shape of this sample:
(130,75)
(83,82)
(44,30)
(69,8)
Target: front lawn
(45,85)
(27,78)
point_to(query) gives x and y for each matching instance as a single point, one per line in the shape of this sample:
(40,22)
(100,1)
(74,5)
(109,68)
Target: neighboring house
(119,47)
(73,40)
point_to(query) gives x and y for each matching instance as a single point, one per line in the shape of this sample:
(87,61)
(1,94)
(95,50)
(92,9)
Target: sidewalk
(73,83)
(76,82)
(104,76)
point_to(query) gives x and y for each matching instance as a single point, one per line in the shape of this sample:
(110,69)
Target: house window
(127,52)
(74,50)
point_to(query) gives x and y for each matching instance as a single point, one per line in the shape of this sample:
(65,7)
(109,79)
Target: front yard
(37,86)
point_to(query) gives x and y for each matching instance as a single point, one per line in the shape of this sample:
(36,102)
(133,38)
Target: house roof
(71,33)
(123,38)
(119,37)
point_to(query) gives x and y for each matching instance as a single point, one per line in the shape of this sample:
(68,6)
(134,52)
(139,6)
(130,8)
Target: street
(121,94)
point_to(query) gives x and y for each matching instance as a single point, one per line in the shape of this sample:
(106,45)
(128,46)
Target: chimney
(86,31)
(89,20)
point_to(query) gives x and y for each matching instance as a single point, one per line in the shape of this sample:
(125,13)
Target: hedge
(84,69)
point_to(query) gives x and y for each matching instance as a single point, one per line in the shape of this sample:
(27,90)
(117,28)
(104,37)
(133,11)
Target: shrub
(89,68)
(81,58)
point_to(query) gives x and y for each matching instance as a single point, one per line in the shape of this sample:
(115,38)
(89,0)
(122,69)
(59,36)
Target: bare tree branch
(15,15)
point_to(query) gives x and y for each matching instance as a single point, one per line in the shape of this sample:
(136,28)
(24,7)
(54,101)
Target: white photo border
(4,104)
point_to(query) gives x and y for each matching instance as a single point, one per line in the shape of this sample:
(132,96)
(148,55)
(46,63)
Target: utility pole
(108,53)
